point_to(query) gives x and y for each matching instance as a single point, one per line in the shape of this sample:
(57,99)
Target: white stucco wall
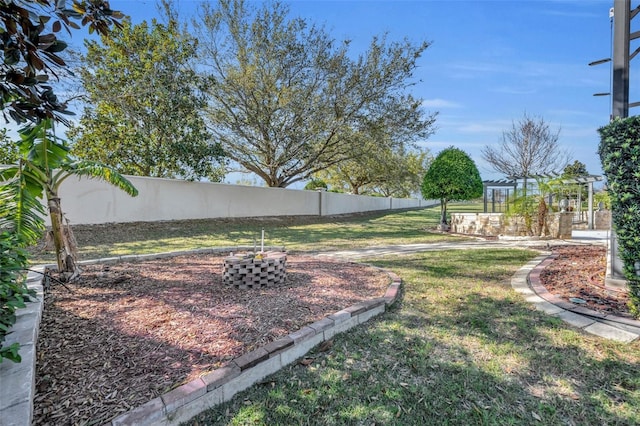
(336,203)
(87,201)
(408,203)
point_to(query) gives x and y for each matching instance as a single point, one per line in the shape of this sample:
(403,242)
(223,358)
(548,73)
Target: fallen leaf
(306,361)
(326,345)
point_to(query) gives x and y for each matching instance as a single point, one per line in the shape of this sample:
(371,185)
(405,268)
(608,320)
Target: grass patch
(461,348)
(296,234)
(471,207)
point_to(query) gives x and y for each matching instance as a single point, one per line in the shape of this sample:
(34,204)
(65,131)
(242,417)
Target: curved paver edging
(184,402)
(527,282)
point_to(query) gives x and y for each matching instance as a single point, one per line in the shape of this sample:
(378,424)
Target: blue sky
(489,62)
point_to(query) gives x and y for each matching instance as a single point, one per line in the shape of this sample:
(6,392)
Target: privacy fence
(87,201)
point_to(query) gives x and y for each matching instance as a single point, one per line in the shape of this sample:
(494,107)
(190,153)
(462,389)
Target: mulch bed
(579,272)
(129,332)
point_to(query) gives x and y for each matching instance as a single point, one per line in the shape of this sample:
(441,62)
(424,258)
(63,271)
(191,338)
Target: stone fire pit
(263,269)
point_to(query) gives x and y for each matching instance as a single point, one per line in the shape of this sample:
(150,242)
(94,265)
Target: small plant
(13,290)
(45,163)
(533,207)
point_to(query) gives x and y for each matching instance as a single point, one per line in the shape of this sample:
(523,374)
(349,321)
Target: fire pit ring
(249,270)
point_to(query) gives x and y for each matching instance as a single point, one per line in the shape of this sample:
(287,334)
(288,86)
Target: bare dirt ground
(129,332)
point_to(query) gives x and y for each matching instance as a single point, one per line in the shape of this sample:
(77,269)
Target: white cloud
(485,67)
(573,14)
(485,127)
(440,103)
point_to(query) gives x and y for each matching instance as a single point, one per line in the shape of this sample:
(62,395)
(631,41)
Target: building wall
(88,201)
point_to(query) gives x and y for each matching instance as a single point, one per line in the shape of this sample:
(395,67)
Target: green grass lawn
(461,348)
(309,234)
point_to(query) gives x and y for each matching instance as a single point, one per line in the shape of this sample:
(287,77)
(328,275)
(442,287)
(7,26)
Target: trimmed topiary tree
(619,152)
(453,176)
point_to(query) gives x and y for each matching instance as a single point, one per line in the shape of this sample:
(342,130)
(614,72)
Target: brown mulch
(579,272)
(129,332)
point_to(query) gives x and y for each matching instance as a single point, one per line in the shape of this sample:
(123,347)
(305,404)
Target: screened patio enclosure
(567,195)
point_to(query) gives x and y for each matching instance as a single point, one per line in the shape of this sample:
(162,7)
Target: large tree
(529,148)
(453,176)
(144,109)
(404,178)
(285,99)
(380,170)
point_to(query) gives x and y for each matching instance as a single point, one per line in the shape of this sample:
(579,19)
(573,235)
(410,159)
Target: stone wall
(602,219)
(486,224)
(496,224)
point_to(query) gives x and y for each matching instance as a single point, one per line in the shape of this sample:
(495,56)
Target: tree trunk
(543,225)
(444,226)
(65,254)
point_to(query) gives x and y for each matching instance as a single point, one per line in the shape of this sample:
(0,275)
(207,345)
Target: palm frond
(95,170)
(21,211)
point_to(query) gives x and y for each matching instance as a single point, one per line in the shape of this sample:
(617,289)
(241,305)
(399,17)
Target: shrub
(619,152)
(315,184)
(13,290)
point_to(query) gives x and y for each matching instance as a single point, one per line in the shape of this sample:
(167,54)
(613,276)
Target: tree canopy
(31,48)
(8,149)
(144,106)
(453,176)
(380,170)
(404,176)
(575,169)
(286,100)
(530,147)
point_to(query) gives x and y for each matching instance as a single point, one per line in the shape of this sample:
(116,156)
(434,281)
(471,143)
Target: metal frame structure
(493,185)
(512,182)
